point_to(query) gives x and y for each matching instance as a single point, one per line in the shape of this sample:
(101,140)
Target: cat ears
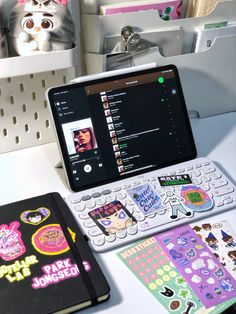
(64,2)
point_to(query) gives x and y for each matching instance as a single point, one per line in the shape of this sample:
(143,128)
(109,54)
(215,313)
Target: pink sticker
(50,240)
(11,244)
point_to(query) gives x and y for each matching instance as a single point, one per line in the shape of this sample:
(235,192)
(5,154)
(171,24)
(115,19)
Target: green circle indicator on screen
(161,79)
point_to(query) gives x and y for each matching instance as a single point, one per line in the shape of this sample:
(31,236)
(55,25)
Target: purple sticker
(202,263)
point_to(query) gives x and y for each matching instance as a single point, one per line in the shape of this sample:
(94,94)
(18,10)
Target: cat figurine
(38,26)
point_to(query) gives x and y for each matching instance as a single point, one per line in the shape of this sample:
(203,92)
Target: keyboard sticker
(174,180)
(154,269)
(146,199)
(196,199)
(112,217)
(201,269)
(221,240)
(176,205)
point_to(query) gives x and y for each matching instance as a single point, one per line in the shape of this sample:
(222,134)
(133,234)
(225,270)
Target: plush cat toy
(37,26)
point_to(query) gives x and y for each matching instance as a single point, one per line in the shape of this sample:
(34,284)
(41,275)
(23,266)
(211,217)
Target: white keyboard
(204,175)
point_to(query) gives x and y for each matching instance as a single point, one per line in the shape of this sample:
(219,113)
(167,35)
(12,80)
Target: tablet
(114,127)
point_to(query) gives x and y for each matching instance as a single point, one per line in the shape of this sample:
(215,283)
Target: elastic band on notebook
(76,255)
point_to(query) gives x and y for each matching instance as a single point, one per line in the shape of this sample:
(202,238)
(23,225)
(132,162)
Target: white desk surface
(30,172)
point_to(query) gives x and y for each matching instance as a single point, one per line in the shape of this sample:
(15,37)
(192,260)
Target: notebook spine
(66,221)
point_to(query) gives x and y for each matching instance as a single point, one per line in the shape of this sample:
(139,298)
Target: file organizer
(24,116)
(92,6)
(96,27)
(211,89)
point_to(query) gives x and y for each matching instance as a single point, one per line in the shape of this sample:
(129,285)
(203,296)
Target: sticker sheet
(221,240)
(198,265)
(152,266)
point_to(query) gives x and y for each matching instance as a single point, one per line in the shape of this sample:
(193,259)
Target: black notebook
(46,265)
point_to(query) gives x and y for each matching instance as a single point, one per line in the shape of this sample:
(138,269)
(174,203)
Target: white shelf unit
(24,114)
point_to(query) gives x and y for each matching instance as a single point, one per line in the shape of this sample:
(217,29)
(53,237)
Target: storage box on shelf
(24,115)
(92,6)
(208,78)
(96,27)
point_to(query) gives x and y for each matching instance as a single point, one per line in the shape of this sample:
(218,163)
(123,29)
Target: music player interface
(116,128)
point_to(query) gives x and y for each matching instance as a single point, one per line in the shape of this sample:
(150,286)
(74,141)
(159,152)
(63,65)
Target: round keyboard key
(121,234)
(110,199)
(151,216)
(96,194)
(208,169)
(195,173)
(121,195)
(110,238)
(101,201)
(172,173)
(129,202)
(205,178)
(126,186)
(105,192)
(219,203)
(205,187)
(139,217)
(228,201)
(99,240)
(196,181)
(161,211)
(84,216)
(132,229)
(86,198)
(76,200)
(91,204)
(116,189)
(206,163)
(130,208)
(88,223)
(215,175)
(79,207)
(94,231)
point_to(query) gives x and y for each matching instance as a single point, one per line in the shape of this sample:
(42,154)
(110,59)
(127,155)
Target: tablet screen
(121,126)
